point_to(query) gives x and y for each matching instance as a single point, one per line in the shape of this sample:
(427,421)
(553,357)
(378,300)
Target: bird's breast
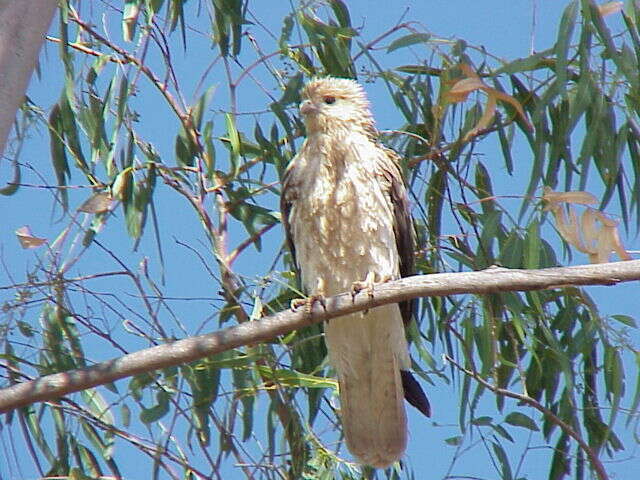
(342,221)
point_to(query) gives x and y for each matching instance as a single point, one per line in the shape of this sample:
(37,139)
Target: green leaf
(155,413)
(532,62)
(291,94)
(67,115)
(560,464)
(210,151)
(625,320)
(36,433)
(613,373)
(482,421)
(563,42)
(636,396)
(285,33)
(98,406)
(419,70)
(244,388)
(341,12)
(532,246)
(221,29)
(512,251)
(485,189)
(234,141)
(58,152)
(102,445)
(123,96)
(408,40)
(518,419)
(503,433)
(141,381)
(454,441)
(434,199)
(506,141)
(251,215)
(503,459)
(197,113)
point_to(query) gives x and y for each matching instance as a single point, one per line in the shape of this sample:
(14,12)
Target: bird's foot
(367,284)
(308,303)
(311,300)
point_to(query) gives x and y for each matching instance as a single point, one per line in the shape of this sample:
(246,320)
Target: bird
(346,216)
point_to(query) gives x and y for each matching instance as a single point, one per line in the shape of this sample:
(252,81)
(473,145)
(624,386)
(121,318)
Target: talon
(308,303)
(296,303)
(367,284)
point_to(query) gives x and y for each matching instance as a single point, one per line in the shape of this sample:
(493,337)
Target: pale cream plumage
(346,214)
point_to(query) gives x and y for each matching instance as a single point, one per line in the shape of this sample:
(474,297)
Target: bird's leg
(308,302)
(367,284)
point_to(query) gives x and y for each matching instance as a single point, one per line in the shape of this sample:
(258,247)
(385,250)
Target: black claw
(323,302)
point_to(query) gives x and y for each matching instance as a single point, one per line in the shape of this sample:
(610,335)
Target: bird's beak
(307,107)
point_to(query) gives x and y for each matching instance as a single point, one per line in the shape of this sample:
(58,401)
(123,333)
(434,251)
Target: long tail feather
(368,352)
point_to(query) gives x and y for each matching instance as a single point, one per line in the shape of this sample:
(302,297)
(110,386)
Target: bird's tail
(368,352)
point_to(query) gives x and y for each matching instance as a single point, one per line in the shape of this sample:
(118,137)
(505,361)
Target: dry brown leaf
(604,220)
(486,119)
(567,227)
(26,238)
(462,88)
(589,229)
(579,197)
(617,246)
(503,97)
(594,234)
(603,247)
(119,189)
(574,224)
(468,71)
(98,203)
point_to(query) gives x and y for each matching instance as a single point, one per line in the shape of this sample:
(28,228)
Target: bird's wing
(287,197)
(405,243)
(402,224)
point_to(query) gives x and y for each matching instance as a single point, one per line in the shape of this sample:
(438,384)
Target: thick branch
(22,29)
(492,280)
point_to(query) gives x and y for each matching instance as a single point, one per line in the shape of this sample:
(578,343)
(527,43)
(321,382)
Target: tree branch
(22,29)
(492,280)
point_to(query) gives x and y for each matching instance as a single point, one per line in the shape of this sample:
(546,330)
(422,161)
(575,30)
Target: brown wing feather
(287,196)
(402,225)
(405,243)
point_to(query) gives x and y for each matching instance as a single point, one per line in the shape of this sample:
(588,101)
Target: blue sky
(507,29)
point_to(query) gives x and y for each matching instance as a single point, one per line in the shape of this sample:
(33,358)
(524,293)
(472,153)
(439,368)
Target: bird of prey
(346,215)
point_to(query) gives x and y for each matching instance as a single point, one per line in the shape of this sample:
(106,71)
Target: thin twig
(566,428)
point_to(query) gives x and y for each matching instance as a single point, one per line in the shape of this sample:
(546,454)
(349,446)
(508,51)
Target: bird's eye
(329,100)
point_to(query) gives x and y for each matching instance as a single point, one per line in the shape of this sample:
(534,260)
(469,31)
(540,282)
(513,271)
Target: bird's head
(330,104)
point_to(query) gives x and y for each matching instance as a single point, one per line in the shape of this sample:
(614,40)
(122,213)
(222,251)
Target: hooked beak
(307,107)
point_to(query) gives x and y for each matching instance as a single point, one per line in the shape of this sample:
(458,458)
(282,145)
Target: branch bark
(22,29)
(492,280)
